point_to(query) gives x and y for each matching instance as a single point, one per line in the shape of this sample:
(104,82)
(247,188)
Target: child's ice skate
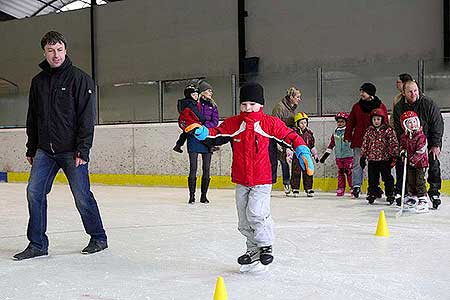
(340,192)
(250,262)
(296,193)
(371,198)
(356,190)
(287,189)
(410,204)
(422,205)
(309,193)
(265,255)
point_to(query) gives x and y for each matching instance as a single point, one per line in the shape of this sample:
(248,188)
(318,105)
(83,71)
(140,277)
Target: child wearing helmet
(342,152)
(380,148)
(413,142)
(301,127)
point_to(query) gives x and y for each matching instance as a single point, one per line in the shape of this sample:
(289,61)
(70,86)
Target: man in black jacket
(433,127)
(60,129)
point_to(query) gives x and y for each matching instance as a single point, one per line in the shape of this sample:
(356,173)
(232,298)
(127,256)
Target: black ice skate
(371,198)
(436,199)
(390,199)
(265,255)
(356,190)
(249,257)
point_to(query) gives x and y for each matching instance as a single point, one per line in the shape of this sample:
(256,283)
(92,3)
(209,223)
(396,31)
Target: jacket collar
(44,65)
(287,103)
(250,117)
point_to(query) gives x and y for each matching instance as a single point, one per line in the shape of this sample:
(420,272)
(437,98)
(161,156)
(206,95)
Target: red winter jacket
(253,152)
(416,148)
(359,120)
(380,143)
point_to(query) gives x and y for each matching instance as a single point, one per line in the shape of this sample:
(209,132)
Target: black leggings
(193,162)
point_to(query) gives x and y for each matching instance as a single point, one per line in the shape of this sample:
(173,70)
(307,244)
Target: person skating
(342,152)
(252,134)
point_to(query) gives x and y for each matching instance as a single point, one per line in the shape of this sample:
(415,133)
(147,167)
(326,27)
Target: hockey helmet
(407,115)
(341,115)
(300,116)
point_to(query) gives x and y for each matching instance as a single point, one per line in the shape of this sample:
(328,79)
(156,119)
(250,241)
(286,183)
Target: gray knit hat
(203,86)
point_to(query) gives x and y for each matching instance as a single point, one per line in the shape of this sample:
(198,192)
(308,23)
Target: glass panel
(129,102)
(340,84)
(277,83)
(13,105)
(173,90)
(437,83)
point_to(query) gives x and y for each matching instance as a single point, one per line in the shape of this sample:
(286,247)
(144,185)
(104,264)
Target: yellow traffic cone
(382,228)
(221,292)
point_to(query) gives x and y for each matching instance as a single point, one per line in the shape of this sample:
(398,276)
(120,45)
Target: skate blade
(255,267)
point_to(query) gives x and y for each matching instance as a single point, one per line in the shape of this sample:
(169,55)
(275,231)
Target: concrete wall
(147,149)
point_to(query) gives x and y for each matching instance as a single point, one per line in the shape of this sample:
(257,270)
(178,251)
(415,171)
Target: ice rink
(162,248)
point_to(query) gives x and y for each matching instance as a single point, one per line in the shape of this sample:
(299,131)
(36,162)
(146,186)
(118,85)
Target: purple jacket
(210,113)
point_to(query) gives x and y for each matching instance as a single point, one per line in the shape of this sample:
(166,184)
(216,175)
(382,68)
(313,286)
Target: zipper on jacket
(256,143)
(51,147)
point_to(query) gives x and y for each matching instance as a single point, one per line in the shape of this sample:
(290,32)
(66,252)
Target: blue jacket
(341,149)
(211,116)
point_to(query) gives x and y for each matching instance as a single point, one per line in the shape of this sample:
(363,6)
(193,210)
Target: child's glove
(324,157)
(362,162)
(314,154)
(304,157)
(289,155)
(201,133)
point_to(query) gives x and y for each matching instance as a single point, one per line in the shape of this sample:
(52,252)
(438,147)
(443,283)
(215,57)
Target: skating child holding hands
(342,152)
(253,137)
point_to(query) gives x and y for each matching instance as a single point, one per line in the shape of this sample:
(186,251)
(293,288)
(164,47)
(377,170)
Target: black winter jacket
(61,111)
(430,119)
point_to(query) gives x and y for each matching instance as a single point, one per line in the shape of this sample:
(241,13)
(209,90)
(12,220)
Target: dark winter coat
(416,148)
(430,119)
(359,120)
(380,143)
(61,111)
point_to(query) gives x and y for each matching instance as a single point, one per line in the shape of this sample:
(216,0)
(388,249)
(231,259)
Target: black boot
(192,181)
(204,189)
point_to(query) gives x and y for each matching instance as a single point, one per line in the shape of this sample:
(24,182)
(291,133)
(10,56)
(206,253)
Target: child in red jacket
(253,137)
(413,142)
(301,127)
(380,148)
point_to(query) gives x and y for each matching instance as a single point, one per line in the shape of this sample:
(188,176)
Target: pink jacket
(416,147)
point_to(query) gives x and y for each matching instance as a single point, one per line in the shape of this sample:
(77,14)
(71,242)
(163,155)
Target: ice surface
(163,248)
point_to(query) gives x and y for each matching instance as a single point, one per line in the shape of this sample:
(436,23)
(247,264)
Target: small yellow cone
(382,228)
(221,292)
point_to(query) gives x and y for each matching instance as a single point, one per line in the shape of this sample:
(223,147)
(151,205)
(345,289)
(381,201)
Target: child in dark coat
(188,109)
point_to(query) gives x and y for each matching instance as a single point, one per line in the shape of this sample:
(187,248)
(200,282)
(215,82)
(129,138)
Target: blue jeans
(285,172)
(43,171)
(357,175)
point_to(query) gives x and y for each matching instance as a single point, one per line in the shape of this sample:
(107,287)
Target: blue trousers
(43,171)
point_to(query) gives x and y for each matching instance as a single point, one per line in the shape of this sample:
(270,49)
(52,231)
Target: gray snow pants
(253,209)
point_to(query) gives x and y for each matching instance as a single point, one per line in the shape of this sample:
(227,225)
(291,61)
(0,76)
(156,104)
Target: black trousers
(375,168)
(434,176)
(193,163)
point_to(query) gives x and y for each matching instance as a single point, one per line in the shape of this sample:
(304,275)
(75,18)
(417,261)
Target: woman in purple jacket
(208,109)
